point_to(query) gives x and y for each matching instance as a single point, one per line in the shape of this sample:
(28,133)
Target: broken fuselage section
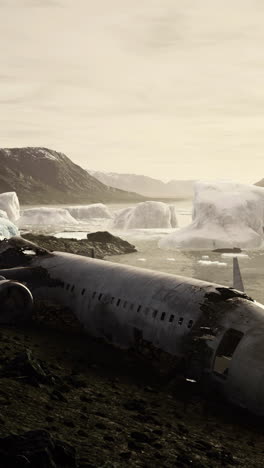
(211,332)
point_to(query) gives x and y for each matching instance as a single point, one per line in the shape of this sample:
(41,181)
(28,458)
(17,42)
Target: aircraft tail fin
(237,277)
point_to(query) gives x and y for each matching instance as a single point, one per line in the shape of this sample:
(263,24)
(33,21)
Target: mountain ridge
(145,185)
(40,175)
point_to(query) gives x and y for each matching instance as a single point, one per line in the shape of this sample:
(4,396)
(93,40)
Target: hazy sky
(168,88)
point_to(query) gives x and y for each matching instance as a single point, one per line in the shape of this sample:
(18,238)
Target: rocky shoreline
(98,244)
(69,401)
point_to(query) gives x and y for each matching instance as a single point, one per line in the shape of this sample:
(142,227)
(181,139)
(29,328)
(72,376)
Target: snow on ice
(10,204)
(146,215)
(3,214)
(211,262)
(225,215)
(7,229)
(43,216)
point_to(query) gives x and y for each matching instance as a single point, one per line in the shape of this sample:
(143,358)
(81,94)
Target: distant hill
(41,175)
(147,186)
(260,183)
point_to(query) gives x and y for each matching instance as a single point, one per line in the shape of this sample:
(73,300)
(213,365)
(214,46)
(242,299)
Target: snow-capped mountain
(41,175)
(146,186)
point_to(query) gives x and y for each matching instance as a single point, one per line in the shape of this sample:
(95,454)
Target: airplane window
(190,324)
(225,351)
(180,321)
(94,294)
(118,302)
(83,291)
(162,317)
(154,313)
(99,297)
(138,309)
(72,288)
(171,318)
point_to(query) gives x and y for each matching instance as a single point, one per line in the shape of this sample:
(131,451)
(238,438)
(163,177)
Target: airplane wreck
(210,332)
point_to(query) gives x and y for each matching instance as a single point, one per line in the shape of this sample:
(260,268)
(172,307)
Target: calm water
(179,262)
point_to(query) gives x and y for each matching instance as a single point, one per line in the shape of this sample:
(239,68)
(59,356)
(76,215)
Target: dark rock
(183,429)
(146,419)
(36,449)
(49,418)
(58,396)
(135,446)
(203,444)
(150,390)
(140,437)
(97,244)
(157,445)
(113,244)
(68,423)
(85,398)
(135,405)
(228,250)
(184,460)
(31,370)
(125,455)
(100,425)
(109,438)
(76,381)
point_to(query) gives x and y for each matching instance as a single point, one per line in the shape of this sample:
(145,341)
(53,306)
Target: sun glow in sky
(165,88)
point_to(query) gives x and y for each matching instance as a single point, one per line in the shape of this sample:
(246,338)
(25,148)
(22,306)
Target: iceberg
(3,214)
(146,215)
(10,204)
(43,216)
(87,212)
(225,215)
(7,228)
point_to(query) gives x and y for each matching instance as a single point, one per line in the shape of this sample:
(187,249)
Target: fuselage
(207,328)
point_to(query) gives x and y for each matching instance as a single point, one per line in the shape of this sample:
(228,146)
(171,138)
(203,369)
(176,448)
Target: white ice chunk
(211,262)
(87,212)
(205,257)
(225,215)
(10,204)
(146,215)
(141,259)
(43,216)
(233,255)
(7,229)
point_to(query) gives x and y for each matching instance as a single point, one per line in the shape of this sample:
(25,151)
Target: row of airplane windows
(131,306)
